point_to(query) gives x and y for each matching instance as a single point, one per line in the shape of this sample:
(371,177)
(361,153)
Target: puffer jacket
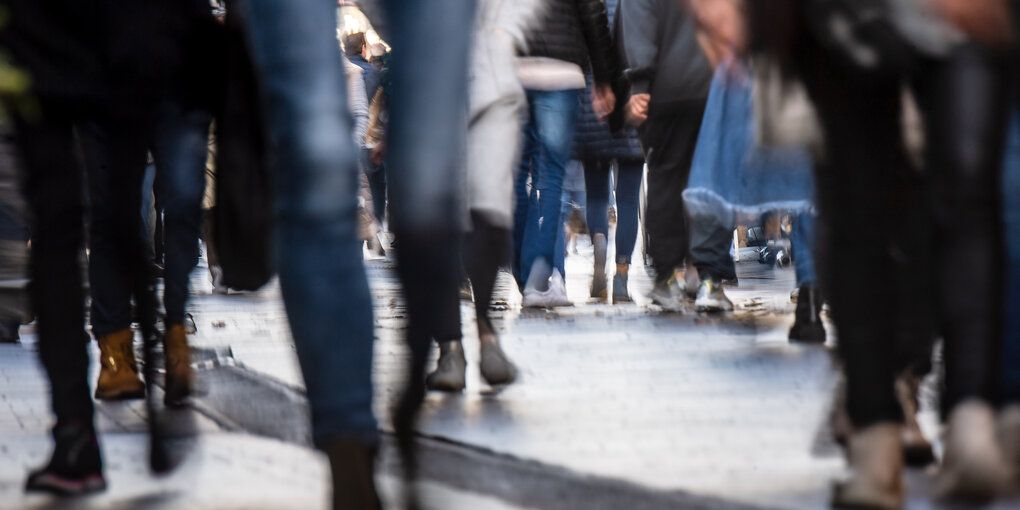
(594,139)
(575,31)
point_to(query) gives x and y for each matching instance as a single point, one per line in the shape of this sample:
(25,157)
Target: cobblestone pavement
(717,406)
(219,469)
(721,406)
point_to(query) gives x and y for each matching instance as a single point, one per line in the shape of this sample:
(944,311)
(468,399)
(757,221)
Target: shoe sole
(120,394)
(60,486)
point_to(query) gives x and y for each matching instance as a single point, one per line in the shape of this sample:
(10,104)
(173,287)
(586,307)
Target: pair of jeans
(597,177)
(803,238)
(376,175)
(425,170)
(322,276)
(548,135)
(180,148)
(115,224)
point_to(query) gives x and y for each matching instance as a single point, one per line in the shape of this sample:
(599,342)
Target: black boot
(352,464)
(808,325)
(76,467)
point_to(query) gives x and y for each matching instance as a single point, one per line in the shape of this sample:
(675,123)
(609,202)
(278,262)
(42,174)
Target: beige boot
(1009,437)
(973,468)
(178,365)
(917,449)
(118,372)
(876,458)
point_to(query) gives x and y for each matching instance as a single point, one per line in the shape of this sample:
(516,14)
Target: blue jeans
(180,149)
(804,237)
(548,135)
(322,276)
(597,181)
(376,175)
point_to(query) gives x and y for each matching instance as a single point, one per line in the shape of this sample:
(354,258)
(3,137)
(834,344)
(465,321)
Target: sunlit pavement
(617,406)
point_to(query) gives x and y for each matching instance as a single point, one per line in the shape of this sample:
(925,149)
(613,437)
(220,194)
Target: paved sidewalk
(219,469)
(716,406)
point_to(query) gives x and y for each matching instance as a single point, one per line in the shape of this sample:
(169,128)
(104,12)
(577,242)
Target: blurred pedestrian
(569,36)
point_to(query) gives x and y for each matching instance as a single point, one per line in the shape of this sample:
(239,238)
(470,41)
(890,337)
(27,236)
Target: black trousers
(965,99)
(52,184)
(669,138)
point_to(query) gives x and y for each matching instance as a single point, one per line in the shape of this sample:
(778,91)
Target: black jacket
(574,31)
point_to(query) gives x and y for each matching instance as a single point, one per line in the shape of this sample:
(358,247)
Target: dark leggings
(486,249)
(964,100)
(628,187)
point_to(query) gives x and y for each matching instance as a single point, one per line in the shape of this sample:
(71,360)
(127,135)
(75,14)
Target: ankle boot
(352,466)
(917,449)
(496,368)
(118,372)
(808,327)
(450,368)
(598,279)
(178,365)
(973,467)
(876,458)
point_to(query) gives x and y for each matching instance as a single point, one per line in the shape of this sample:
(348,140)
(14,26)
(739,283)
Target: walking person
(569,36)
(497,101)
(669,79)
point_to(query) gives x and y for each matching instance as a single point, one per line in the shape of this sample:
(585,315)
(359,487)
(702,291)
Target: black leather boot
(808,325)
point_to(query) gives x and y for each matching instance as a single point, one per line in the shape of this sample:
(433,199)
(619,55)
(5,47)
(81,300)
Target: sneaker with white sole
(552,297)
(668,295)
(711,298)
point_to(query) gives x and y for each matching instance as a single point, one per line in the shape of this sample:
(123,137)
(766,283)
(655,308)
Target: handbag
(243,216)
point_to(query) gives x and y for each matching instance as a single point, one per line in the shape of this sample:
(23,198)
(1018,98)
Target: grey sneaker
(496,368)
(552,297)
(449,373)
(668,295)
(711,298)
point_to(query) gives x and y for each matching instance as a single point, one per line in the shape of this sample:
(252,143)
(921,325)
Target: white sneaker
(711,298)
(554,296)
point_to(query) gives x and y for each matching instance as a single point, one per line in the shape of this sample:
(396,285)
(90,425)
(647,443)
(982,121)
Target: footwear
(118,371)
(552,297)
(598,279)
(690,282)
(217,280)
(1009,437)
(668,294)
(620,294)
(450,368)
(352,468)
(465,291)
(917,450)
(973,468)
(76,467)
(711,298)
(497,369)
(807,325)
(179,378)
(876,459)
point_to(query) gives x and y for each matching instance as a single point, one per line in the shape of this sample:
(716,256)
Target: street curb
(230,387)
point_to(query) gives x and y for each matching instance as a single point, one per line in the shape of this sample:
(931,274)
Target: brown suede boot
(352,465)
(118,372)
(178,365)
